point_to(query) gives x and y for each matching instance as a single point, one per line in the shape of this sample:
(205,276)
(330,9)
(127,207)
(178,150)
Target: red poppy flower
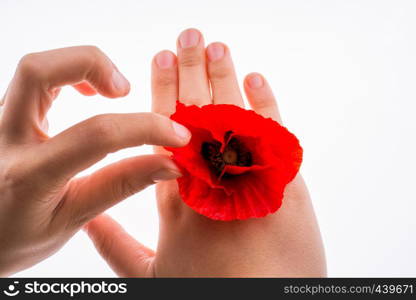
(237,163)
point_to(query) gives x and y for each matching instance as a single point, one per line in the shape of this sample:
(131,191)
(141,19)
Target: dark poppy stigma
(234,153)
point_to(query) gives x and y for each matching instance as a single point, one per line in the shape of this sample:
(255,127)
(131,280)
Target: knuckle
(94,51)
(191,59)
(220,72)
(31,66)
(98,66)
(13,176)
(127,187)
(165,81)
(103,125)
(17,182)
(263,102)
(151,127)
(93,57)
(103,128)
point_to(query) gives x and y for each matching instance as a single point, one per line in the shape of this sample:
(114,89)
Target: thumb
(93,194)
(126,256)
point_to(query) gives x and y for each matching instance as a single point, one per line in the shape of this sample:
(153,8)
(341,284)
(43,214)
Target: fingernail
(215,51)
(165,60)
(165,174)
(255,81)
(189,38)
(181,131)
(120,82)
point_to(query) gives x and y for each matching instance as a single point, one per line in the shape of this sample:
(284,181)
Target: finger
(93,194)
(221,73)
(164,83)
(126,256)
(260,97)
(165,87)
(29,95)
(85,88)
(193,79)
(82,145)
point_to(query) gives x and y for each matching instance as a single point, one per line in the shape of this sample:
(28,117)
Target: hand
(286,243)
(41,204)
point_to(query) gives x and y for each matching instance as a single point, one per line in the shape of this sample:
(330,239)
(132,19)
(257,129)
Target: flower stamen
(231,152)
(230,156)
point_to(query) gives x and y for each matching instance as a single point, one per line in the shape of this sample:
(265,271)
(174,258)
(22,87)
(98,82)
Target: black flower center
(234,153)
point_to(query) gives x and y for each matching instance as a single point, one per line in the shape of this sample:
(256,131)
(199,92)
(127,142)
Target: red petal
(237,170)
(247,192)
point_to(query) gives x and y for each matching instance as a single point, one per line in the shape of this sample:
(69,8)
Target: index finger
(82,145)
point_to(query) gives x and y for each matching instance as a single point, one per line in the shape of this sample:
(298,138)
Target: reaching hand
(41,204)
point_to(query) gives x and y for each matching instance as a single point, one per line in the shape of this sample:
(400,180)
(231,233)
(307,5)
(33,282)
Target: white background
(344,74)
